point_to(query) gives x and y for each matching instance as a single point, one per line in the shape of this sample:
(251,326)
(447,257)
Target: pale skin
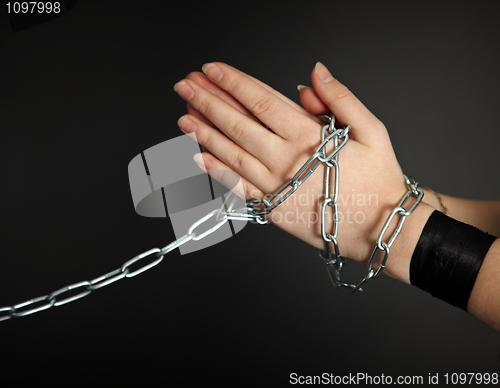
(228,112)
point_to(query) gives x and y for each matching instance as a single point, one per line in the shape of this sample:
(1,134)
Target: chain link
(55,298)
(254,211)
(383,246)
(333,260)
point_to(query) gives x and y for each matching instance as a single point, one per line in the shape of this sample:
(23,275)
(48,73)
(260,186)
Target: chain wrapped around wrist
(332,258)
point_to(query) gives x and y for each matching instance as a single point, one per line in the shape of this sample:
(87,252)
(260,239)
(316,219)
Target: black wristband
(448,257)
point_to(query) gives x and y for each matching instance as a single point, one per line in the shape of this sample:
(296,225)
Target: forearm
(444,256)
(485,295)
(484,215)
(484,300)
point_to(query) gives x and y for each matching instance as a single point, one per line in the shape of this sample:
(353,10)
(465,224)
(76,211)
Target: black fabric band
(448,257)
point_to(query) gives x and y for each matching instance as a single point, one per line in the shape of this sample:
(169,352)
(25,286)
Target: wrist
(435,199)
(398,264)
(359,241)
(403,244)
(361,244)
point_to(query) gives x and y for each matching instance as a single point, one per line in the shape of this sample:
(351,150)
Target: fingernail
(204,165)
(184,90)
(300,87)
(187,125)
(212,71)
(322,72)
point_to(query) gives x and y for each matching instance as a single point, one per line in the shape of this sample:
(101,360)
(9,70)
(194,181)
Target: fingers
(282,118)
(226,176)
(198,115)
(251,137)
(229,153)
(311,101)
(297,107)
(366,128)
(204,82)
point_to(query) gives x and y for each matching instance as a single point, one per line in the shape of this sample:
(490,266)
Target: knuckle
(204,107)
(237,130)
(236,161)
(309,139)
(261,105)
(206,141)
(230,85)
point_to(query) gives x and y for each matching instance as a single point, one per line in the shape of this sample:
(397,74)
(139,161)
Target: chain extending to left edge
(250,212)
(55,298)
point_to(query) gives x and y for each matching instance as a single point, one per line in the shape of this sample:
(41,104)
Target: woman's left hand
(229,112)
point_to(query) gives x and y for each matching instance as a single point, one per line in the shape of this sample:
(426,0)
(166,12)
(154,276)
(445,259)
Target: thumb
(346,108)
(311,101)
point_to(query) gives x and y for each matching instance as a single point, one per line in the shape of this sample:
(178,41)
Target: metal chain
(333,260)
(312,163)
(383,246)
(56,298)
(254,211)
(334,263)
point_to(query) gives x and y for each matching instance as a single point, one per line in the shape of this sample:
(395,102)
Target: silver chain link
(335,262)
(56,298)
(385,247)
(254,211)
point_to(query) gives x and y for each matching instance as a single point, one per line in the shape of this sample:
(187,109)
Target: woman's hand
(228,112)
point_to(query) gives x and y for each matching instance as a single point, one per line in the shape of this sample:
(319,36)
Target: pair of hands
(228,113)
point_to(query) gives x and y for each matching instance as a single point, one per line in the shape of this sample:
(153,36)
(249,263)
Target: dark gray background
(83,94)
